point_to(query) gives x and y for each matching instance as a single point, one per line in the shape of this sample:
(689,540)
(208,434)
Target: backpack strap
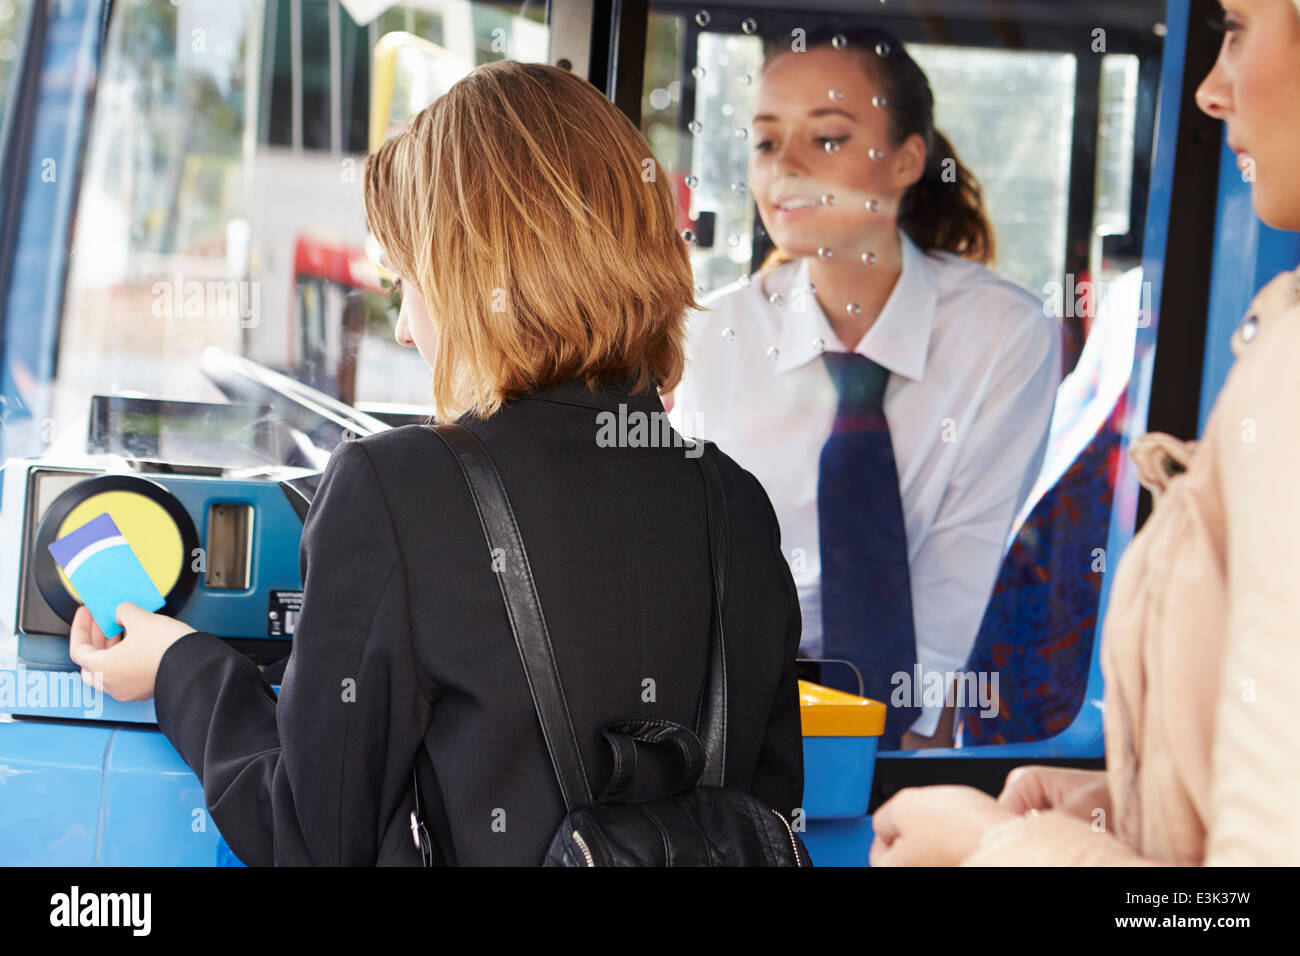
(711,715)
(523,608)
(529,625)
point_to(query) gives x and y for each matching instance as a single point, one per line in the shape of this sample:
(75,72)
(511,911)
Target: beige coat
(1201,642)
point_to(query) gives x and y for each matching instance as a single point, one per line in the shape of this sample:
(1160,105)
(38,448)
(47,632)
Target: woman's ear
(909,162)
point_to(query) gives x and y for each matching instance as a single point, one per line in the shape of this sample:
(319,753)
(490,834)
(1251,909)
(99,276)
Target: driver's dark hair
(935,212)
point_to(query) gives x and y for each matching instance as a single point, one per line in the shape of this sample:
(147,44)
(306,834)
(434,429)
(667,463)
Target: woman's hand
(125,666)
(933,826)
(942,736)
(1080,793)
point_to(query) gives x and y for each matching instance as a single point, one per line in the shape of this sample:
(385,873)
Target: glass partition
(1053,116)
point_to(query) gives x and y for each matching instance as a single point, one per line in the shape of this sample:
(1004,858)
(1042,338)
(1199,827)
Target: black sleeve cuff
(190,677)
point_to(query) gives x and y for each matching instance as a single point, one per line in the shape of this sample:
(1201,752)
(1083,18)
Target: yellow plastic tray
(833,713)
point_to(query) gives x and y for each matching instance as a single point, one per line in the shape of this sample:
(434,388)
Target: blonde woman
(545,285)
(1200,648)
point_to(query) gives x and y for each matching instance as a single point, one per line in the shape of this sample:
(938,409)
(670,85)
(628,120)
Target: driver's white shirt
(975,360)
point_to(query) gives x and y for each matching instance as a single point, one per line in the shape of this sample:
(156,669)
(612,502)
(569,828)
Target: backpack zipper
(582,845)
(798,860)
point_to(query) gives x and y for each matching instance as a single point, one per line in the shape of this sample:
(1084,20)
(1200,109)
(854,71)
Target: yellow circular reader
(147,527)
(154,523)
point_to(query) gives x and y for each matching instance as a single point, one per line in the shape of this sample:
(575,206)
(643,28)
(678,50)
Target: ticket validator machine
(211,497)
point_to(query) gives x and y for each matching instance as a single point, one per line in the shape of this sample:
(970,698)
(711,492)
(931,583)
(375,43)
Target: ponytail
(944,209)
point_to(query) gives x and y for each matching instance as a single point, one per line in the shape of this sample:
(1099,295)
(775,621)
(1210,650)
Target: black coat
(403,643)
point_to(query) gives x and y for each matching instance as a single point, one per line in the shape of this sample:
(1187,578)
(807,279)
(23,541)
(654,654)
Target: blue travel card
(105,571)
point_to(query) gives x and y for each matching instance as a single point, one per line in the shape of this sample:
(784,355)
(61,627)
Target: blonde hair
(538,228)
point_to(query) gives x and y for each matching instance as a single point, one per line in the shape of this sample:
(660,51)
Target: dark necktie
(865,584)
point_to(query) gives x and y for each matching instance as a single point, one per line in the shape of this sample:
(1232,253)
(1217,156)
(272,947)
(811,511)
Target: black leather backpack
(701,823)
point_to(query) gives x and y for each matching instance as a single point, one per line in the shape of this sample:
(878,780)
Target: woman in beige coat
(1201,643)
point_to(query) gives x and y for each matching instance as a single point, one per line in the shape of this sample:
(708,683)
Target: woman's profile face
(1254,88)
(413,325)
(805,102)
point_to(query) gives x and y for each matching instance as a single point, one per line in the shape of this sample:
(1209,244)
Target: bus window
(13,20)
(220,203)
(1116,135)
(1021,155)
